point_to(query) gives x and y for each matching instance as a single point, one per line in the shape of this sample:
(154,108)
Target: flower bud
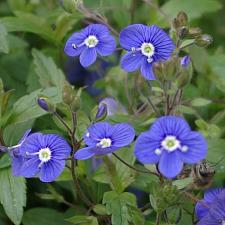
(183,79)
(185,61)
(182,32)
(68,5)
(158,70)
(75,105)
(194,32)
(68,94)
(102,112)
(204,40)
(44,103)
(182,19)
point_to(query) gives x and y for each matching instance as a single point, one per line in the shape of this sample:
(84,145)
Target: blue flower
(103,138)
(42,154)
(92,40)
(216,210)
(170,143)
(145,45)
(202,207)
(185,61)
(16,158)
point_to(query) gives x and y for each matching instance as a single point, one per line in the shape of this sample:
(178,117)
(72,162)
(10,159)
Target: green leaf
(186,43)
(27,22)
(84,220)
(100,209)
(199,102)
(12,195)
(218,67)
(43,216)
(216,151)
(120,206)
(4,45)
(194,9)
(47,71)
(26,108)
(180,184)
(5,161)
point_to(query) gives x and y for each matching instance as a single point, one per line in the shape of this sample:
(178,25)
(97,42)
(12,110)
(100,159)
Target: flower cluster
(211,210)
(145,45)
(42,154)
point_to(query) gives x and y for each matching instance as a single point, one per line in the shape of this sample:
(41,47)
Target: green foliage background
(32,63)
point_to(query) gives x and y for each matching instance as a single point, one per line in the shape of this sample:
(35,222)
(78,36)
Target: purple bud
(43,103)
(102,112)
(185,61)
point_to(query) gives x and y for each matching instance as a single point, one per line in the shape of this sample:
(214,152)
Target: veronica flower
(202,207)
(92,40)
(170,143)
(216,211)
(43,154)
(145,46)
(103,138)
(185,61)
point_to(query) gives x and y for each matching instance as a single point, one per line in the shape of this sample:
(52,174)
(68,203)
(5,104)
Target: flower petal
(122,134)
(51,170)
(170,164)
(132,36)
(30,167)
(98,30)
(162,42)
(59,147)
(84,153)
(147,71)
(170,125)
(96,132)
(197,147)
(211,194)
(17,163)
(201,209)
(131,62)
(145,147)
(88,56)
(76,39)
(106,45)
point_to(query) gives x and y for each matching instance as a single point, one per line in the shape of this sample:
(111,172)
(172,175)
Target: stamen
(31,154)
(170,143)
(87,134)
(184,148)
(91,41)
(149,60)
(158,151)
(44,154)
(104,143)
(74,46)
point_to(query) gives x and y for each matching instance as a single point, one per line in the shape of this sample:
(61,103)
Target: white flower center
(170,143)
(147,49)
(91,41)
(44,154)
(105,143)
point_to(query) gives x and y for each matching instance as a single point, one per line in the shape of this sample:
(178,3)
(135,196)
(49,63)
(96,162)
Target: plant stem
(134,168)
(158,217)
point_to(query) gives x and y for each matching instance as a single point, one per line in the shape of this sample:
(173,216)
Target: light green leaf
(186,43)
(47,71)
(12,195)
(4,45)
(5,161)
(26,108)
(83,220)
(180,184)
(218,67)
(43,216)
(199,102)
(120,206)
(193,8)
(100,209)
(29,23)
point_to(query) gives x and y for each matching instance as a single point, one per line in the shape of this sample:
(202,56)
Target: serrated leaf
(26,108)
(12,195)
(4,45)
(47,71)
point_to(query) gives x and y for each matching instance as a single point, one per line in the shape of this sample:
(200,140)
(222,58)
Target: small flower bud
(158,70)
(68,5)
(68,94)
(182,19)
(182,32)
(185,61)
(204,40)
(45,104)
(194,32)
(102,112)
(75,105)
